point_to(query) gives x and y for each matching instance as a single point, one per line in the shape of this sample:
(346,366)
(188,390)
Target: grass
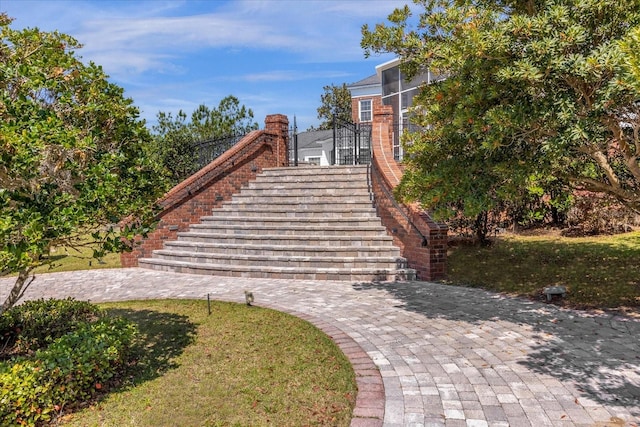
(599,272)
(239,366)
(63,259)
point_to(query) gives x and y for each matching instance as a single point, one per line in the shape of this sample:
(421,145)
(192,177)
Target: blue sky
(274,55)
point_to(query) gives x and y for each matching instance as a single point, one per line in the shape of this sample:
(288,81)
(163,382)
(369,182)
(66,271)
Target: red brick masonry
(428,255)
(193,198)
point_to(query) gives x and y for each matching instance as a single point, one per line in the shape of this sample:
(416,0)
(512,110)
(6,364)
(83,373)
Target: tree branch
(627,198)
(602,162)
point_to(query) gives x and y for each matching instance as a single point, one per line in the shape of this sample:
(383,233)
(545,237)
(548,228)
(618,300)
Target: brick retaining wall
(422,241)
(208,188)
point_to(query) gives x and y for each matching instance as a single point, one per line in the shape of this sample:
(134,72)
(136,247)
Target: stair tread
(286,219)
(212,266)
(279,236)
(292,227)
(282,247)
(278,257)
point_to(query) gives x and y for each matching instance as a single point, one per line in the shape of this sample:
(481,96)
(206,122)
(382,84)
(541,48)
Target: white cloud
(290,75)
(274,55)
(134,37)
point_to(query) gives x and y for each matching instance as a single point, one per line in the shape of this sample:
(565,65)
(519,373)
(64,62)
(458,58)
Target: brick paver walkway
(446,356)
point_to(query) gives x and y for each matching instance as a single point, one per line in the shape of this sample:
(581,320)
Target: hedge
(73,368)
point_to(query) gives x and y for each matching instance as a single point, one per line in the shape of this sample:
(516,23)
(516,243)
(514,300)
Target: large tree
(176,137)
(72,158)
(537,96)
(335,102)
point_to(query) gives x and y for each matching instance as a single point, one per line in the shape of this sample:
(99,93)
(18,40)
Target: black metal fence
(206,151)
(351,144)
(183,160)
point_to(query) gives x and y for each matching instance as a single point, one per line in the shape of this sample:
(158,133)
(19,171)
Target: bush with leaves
(35,324)
(72,368)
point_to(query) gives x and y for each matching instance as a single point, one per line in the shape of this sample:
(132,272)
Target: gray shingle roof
(308,139)
(371,80)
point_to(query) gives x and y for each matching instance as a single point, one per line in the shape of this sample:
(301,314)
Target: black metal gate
(351,143)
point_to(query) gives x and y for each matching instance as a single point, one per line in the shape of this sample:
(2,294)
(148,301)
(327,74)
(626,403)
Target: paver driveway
(447,356)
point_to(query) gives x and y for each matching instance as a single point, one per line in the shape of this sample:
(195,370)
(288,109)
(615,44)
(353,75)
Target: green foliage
(73,367)
(335,102)
(537,97)
(34,325)
(175,137)
(629,46)
(72,154)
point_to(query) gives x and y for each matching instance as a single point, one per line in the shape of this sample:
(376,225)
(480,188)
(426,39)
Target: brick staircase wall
(195,197)
(422,241)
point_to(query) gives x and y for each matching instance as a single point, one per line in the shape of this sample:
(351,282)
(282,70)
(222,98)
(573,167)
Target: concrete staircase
(308,222)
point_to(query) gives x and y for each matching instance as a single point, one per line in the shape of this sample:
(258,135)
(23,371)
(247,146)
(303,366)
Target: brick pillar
(278,125)
(383,114)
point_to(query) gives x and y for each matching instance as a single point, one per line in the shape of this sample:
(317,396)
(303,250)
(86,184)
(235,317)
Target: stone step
(284,204)
(193,236)
(287,221)
(379,263)
(301,190)
(268,249)
(314,223)
(289,230)
(301,198)
(320,172)
(318,211)
(297,273)
(340,186)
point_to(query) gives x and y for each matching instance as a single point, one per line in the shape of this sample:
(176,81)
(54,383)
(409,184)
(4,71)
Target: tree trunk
(22,283)
(481,228)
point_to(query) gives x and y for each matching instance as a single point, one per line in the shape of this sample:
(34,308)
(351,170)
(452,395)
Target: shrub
(593,214)
(71,369)
(35,324)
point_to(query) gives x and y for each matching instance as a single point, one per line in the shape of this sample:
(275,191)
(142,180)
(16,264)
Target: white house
(315,147)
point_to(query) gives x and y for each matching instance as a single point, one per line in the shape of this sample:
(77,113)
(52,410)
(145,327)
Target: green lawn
(63,259)
(599,272)
(240,366)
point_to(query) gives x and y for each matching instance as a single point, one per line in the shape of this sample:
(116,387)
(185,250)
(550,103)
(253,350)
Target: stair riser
(283,240)
(277,190)
(275,262)
(328,251)
(282,231)
(317,182)
(334,181)
(353,171)
(258,274)
(295,213)
(308,199)
(289,222)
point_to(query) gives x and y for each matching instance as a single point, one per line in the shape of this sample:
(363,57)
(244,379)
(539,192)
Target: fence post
(334,159)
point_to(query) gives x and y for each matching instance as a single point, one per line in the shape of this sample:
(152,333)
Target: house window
(313,161)
(365,110)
